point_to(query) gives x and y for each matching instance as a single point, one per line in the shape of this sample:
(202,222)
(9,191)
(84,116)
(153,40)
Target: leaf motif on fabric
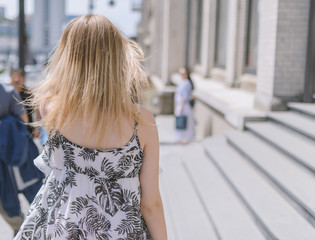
(70,179)
(78,205)
(108,169)
(109,194)
(75,232)
(88,154)
(91,172)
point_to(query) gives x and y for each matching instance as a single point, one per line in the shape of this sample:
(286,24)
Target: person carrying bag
(184,118)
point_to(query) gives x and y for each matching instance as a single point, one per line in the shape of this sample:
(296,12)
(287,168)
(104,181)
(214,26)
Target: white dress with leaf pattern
(88,193)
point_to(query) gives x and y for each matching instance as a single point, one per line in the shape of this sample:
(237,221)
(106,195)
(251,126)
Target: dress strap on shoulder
(136,126)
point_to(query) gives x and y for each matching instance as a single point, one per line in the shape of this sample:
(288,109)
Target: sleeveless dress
(87,194)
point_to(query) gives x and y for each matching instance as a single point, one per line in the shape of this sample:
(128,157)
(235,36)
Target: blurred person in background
(18,82)
(102,155)
(184,103)
(9,105)
(17,151)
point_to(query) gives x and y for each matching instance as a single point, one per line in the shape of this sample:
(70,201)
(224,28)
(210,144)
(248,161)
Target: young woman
(102,157)
(184,107)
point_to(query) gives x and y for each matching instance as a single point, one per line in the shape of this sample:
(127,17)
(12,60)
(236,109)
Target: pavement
(185,215)
(6,233)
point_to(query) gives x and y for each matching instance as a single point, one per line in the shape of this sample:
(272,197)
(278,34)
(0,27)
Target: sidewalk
(166,129)
(6,232)
(185,215)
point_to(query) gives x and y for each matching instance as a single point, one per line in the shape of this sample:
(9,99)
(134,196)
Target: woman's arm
(151,206)
(185,94)
(182,104)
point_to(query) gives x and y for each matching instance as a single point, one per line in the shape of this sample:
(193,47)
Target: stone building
(248,57)
(47,25)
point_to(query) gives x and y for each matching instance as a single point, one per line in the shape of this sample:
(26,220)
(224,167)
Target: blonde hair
(93,68)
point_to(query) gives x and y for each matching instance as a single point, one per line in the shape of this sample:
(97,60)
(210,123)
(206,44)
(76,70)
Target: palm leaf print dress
(88,193)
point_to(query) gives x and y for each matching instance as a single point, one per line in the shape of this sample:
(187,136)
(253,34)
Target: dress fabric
(87,194)
(184,91)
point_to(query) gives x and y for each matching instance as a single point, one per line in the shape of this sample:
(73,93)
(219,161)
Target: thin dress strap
(136,126)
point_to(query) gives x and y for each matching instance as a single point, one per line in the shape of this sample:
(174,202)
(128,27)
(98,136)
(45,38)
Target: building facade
(261,47)
(47,25)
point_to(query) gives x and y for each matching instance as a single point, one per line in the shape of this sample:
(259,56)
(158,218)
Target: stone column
(165,40)
(193,32)
(173,37)
(231,41)
(241,39)
(208,37)
(282,49)
(156,36)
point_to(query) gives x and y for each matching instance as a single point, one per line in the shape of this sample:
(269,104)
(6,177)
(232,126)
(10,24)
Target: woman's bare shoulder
(147,127)
(146,116)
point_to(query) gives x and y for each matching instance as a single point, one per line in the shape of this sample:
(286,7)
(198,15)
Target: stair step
(186,214)
(290,142)
(268,206)
(302,124)
(167,210)
(290,177)
(306,108)
(231,218)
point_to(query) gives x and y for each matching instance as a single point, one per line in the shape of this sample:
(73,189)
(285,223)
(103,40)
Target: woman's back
(101,183)
(89,193)
(81,132)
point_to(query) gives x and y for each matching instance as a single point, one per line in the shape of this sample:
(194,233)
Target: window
(220,35)
(199,32)
(252,37)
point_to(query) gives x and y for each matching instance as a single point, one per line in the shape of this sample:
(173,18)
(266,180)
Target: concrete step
(230,217)
(184,211)
(298,122)
(167,211)
(291,178)
(293,144)
(306,108)
(270,210)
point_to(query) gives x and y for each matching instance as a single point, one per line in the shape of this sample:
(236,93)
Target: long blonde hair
(93,67)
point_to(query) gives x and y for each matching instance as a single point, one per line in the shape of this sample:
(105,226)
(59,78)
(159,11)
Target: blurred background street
(249,174)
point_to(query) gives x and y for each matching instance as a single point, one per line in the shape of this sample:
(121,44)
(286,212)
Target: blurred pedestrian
(99,140)
(16,153)
(18,82)
(184,102)
(9,105)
